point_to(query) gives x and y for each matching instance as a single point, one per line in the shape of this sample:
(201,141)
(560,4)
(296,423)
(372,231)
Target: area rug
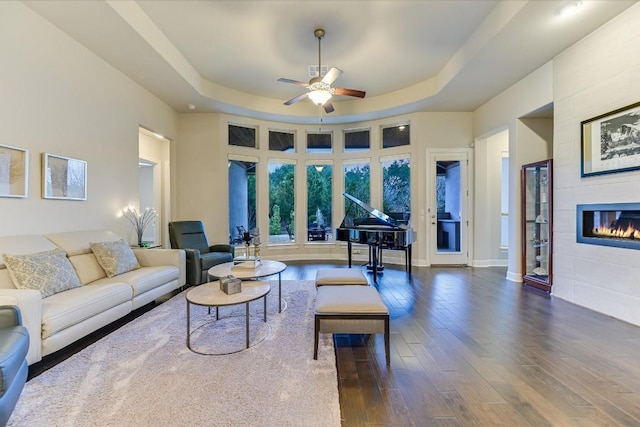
(144,375)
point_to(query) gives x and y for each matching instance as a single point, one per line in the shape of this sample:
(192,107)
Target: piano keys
(377,230)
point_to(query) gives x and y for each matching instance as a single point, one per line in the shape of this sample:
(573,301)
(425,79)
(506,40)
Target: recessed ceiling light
(191,107)
(570,8)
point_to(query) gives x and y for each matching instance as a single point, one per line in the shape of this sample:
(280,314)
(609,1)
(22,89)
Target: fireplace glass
(613,224)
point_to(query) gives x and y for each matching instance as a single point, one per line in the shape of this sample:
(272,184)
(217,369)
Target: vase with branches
(140,221)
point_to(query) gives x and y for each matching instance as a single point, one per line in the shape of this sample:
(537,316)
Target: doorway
(154,187)
(448,200)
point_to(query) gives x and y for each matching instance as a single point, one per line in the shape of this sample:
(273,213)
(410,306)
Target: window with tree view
(396,188)
(319,202)
(281,202)
(357,181)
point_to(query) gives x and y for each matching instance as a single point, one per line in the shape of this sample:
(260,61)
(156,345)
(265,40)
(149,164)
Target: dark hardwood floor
(469,348)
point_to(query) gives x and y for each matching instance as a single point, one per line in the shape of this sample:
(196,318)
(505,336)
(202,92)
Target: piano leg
(374,262)
(349,252)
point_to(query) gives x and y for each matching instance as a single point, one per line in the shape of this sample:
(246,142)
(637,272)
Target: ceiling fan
(320,90)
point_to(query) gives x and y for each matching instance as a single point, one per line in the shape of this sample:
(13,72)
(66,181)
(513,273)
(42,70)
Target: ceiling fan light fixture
(319,96)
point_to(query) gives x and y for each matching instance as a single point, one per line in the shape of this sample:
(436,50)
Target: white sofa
(62,318)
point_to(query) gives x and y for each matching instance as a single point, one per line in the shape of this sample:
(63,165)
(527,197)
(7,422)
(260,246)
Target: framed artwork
(611,142)
(63,178)
(14,171)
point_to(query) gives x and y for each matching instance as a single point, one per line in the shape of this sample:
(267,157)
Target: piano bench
(340,276)
(350,309)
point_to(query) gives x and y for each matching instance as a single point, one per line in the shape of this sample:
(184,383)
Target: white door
(448,207)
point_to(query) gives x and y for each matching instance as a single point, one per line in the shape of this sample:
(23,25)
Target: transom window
(242,136)
(282,141)
(395,136)
(356,140)
(319,143)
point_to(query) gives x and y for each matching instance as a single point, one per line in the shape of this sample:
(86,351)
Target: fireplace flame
(618,232)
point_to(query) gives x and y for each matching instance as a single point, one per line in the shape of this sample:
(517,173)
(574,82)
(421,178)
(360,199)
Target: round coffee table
(210,295)
(266,268)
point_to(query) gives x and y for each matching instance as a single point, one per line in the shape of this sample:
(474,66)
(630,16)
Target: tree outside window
(281,202)
(319,202)
(357,181)
(396,187)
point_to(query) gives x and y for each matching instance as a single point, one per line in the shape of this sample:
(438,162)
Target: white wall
(156,150)
(599,74)
(488,184)
(58,97)
(504,112)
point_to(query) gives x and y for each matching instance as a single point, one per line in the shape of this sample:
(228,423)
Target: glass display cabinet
(537,224)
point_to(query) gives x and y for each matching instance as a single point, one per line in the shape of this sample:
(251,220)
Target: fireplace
(612,224)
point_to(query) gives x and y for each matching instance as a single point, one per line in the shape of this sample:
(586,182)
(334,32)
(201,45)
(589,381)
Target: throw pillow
(115,257)
(49,272)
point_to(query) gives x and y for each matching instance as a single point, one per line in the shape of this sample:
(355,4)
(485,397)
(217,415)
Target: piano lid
(380,217)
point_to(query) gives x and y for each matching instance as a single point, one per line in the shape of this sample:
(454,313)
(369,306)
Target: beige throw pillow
(115,257)
(49,272)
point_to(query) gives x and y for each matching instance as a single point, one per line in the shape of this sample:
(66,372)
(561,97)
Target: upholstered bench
(340,276)
(350,309)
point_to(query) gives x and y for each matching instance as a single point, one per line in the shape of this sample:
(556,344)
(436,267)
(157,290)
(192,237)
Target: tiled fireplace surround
(612,224)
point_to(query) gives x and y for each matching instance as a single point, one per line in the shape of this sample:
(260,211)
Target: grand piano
(363,224)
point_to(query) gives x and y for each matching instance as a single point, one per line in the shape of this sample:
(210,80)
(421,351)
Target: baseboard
(514,277)
(490,263)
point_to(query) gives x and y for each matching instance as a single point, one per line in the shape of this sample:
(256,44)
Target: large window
(281,141)
(396,187)
(395,136)
(319,202)
(357,181)
(242,136)
(281,202)
(242,199)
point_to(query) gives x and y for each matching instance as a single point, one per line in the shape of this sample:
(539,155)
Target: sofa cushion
(87,267)
(115,257)
(66,309)
(146,278)
(21,245)
(78,242)
(49,272)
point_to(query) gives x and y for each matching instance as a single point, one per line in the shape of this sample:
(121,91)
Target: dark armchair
(14,344)
(190,236)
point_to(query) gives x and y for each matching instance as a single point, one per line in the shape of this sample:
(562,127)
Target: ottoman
(340,276)
(350,309)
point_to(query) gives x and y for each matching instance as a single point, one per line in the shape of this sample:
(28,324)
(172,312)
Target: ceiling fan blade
(349,92)
(328,107)
(297,98)
(295,82)
(331,76)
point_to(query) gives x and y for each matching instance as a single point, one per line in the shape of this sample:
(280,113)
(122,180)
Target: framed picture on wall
(611,142)
(63,178)
(14,171)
